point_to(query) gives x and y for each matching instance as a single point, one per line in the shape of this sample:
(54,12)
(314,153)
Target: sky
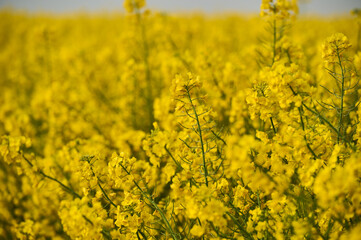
(322,7)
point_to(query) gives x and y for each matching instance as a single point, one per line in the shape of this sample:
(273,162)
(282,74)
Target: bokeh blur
(320,7)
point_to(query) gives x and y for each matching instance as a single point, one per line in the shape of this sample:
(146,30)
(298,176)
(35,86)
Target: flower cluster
(334,47)
(281,9)
(131,5)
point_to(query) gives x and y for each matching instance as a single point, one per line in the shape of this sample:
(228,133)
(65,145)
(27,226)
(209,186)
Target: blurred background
(319,7)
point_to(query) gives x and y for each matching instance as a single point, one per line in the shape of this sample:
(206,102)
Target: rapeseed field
(148,125)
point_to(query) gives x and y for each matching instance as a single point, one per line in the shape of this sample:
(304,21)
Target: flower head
(334,47)
(131,5)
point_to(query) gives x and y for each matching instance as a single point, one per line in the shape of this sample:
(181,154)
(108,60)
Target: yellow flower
(132,5)
(197,231)
(334,47)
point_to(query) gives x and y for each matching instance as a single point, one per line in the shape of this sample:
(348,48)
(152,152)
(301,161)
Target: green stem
(68,189)
(342,96)
(320,117)
(300,110)
(273,126)
(165,220)
(170,154)
(99,185)
(240,227)
(105,194)
(200,137)
(274,35)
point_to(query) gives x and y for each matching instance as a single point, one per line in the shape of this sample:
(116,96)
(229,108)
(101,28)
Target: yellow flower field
(148,125)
